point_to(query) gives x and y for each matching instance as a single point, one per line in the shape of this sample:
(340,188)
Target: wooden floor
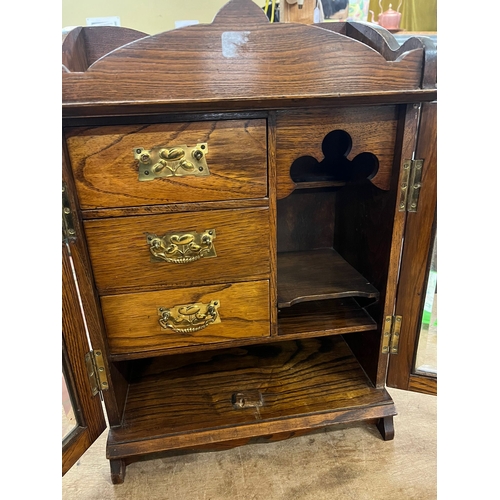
(342,462)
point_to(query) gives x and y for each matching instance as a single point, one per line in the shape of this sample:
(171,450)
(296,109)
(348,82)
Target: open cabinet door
(83,416)
(414,366)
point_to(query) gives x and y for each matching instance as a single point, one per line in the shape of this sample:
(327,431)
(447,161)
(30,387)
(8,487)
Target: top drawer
(107,173)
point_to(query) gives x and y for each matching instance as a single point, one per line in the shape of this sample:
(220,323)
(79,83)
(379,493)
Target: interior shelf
(318,184)
(318,275)
(323,318)
(207,397)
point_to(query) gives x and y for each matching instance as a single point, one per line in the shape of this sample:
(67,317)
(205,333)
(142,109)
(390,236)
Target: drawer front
(135,323)
(176,250)
(106,171)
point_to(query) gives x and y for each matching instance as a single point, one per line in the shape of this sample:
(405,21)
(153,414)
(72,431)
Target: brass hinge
(392,330)
(411,179)
(96,372)
(68,227)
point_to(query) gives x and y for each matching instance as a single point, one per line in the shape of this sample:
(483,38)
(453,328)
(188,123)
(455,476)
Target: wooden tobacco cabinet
(235,197)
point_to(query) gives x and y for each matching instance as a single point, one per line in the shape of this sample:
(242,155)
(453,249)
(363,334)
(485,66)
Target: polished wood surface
(319,63)
(106,173)
(301,132)
(122,259)
(369,235)
(180,401)
(132,319)
(425,385)
(318,274)
(273,208)
(115,396)
(324,317)
(90,422)
(419,232)
(389,46)
(325,245)
(83,46)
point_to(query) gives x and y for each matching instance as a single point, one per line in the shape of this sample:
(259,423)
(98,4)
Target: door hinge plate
(96,372)
(68,226)
(392,331)
(411,178)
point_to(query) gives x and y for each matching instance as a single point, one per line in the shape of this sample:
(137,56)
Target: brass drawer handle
(181,248)
(175,161)
(189,318)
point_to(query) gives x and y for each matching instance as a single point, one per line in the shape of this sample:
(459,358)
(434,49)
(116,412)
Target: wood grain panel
(240,56)
(369,235)
(85,45)
(115,396)
(192,394)
(122,261)
(106,173)
(417,250)
(132,319)
(318,275)
(88,410)
(425,385)
(301,133)
(324,317)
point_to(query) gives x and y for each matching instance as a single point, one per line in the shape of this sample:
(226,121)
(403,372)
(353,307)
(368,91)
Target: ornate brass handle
(174,161)
(189,318)
(182,248)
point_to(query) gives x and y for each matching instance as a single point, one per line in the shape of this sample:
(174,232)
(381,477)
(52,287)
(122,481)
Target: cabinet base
(118,468)
(216,400)
(386,428)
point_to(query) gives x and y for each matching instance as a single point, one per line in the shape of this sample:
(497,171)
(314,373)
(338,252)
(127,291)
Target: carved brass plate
(189,318)
(179,248)
(172,161)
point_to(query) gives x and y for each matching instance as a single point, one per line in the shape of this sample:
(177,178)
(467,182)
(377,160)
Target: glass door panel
(69,423)
(426,358)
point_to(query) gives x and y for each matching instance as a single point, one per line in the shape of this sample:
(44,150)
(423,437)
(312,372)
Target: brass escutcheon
(181,248)
(189,318)
(172,161)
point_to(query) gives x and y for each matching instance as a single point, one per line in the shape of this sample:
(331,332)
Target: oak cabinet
(235,213)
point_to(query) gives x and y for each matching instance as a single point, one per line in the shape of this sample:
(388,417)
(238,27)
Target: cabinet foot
(385,426)
(117,471)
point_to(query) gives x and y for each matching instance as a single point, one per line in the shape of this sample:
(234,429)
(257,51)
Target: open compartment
(319,292)
(236,394)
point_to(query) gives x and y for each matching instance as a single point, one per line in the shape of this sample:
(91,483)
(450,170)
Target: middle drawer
(153,252)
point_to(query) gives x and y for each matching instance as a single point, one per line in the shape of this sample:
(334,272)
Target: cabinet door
(83,416)
(415,366)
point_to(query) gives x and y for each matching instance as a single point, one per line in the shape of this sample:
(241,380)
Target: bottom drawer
(142,322)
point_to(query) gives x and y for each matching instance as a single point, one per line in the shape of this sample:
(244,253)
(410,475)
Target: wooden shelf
(323,318)
(318,184)
(185,401)
(318,275)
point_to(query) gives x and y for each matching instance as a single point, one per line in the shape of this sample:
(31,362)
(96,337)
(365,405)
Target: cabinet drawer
(172,250)
(133,320)
(106,171)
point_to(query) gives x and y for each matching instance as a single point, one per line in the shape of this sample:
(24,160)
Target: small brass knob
(145,158)
(197,154)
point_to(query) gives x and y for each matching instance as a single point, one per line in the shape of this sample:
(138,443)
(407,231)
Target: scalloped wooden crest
(240,56)
(242,10)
